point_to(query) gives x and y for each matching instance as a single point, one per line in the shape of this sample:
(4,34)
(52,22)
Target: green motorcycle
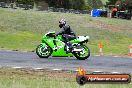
(53,45)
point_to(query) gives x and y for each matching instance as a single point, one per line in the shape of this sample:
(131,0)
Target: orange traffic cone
(101,48)
(130,53)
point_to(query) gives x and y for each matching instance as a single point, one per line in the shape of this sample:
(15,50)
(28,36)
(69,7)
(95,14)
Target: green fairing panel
(60,37)
(60,52)
(49,42)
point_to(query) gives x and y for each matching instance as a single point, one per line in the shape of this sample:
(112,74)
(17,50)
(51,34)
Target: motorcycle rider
(67,34)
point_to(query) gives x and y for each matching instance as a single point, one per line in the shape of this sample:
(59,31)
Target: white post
(130,50)
(100,50)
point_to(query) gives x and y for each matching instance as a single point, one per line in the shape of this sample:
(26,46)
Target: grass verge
(25,78)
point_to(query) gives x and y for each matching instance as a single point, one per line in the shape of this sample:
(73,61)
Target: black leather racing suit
(67,33)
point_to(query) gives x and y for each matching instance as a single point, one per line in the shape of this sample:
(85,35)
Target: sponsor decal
(101,78)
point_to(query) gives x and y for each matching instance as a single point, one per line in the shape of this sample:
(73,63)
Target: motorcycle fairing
(59,46)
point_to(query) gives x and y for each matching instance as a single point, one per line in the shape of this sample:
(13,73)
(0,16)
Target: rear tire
(43,51)
(84,55)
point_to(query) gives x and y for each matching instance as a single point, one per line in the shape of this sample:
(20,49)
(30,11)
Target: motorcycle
(53,45)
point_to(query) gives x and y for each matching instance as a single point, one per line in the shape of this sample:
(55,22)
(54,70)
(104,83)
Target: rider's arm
(61,32)
(68,28)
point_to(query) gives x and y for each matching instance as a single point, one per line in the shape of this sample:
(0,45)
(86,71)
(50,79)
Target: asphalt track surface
(94,63)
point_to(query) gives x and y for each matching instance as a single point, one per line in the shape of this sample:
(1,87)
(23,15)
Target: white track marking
(16,67)
(56,69)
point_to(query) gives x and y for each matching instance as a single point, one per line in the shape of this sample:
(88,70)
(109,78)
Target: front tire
(83,54)
(43,51)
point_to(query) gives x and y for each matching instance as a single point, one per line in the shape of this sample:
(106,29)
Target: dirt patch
(39,73)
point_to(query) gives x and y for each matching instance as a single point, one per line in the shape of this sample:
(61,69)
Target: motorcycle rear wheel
(83,55)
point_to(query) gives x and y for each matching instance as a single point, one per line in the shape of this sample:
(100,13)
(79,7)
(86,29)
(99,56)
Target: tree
(68,4)
(129,3)
(124,4)
(111,2)
(95,3)
(78,4)
(25,1)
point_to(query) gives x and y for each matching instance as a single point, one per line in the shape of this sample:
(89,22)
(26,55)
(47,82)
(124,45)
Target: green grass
(11,78)
(23,30)
(42,82)
(19,40)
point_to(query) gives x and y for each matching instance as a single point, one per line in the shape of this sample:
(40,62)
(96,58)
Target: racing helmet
(62,22)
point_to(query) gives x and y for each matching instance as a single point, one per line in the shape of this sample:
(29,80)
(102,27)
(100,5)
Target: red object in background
(130,46)
(101,48)
(130,54)
(114,9)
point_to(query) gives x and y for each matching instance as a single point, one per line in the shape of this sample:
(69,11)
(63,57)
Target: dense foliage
(95,3)
(111,2)
(120,2)
(76,4)
(69,4)
(123,4)
(25,1)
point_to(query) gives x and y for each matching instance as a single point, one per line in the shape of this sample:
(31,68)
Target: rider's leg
(67,38)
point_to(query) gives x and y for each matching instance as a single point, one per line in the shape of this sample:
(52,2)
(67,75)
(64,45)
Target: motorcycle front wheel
(84,54)
(43,51)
